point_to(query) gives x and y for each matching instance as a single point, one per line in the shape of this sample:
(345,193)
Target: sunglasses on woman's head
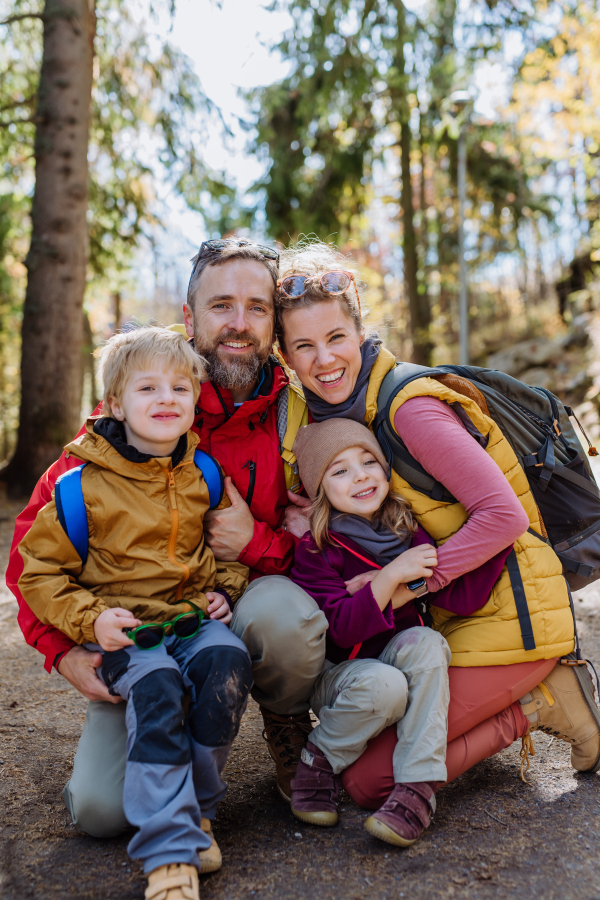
(207,248)
(187,625)
(338,282)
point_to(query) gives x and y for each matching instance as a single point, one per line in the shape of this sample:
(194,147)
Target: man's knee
(275,613)
(95,809)
(222,678)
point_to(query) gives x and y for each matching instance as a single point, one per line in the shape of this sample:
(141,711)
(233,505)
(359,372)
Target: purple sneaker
(315,788)
(405,815)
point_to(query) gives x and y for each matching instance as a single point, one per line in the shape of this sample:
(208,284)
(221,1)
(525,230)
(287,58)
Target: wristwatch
(418,587)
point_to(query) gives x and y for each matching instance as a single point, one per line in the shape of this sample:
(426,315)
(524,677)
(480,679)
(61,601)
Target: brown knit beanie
(316,445)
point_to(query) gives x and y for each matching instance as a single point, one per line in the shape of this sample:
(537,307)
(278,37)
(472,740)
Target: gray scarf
(373,536)
(355,407)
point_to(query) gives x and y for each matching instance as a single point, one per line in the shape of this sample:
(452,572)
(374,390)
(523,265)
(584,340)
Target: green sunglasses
(147,637)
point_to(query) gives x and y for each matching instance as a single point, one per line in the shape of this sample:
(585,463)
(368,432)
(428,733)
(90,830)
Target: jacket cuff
(260,544)
(226,594)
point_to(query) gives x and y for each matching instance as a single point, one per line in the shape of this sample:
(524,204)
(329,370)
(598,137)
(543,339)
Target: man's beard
(233,372)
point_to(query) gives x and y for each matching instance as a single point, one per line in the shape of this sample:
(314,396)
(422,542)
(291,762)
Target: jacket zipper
(251,466)
(174,531)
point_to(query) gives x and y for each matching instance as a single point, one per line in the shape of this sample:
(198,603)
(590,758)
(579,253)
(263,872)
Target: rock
(538,377)
(525,355)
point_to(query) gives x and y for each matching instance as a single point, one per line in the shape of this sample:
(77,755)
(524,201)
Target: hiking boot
(563,705)
(315,788)
(210,859)
(175,882)
(405,815)
(285,737)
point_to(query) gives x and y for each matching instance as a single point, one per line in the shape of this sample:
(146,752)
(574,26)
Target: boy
(147,565)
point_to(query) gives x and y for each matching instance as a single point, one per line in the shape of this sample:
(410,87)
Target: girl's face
(356,483)
(322,345)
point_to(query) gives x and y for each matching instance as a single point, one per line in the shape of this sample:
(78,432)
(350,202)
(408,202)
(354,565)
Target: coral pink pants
(484,717)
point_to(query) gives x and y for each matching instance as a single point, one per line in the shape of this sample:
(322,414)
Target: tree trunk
(51,379)
(418,303)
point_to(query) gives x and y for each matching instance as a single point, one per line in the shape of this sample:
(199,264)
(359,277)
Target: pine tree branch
(20,121)
(18,17)
(28,101)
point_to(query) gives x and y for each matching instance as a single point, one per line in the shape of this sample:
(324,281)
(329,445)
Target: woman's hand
(359,581)
(295,519)
(219,607)
(109,626)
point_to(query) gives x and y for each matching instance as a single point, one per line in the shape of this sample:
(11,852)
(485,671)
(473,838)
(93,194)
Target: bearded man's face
(232,321)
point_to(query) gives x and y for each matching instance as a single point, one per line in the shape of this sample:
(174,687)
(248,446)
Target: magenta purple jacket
(358,619)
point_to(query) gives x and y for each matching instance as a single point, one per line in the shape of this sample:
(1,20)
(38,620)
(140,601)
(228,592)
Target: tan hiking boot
(210,859)
(175,882)
(563,705)
(285,736)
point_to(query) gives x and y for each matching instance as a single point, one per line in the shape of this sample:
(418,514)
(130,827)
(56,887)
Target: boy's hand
(219,607)
(109,626)
(417,562)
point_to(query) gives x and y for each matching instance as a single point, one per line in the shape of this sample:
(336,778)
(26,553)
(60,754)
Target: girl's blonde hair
(136,350)
(394,513)
(315,258)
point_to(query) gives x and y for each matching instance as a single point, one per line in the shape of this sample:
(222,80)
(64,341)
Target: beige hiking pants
(406,686)
(284,631)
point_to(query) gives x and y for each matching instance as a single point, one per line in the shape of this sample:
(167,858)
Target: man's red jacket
(246,444)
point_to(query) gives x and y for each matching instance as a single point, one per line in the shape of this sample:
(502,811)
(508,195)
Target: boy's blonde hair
(135,350)
(394,513)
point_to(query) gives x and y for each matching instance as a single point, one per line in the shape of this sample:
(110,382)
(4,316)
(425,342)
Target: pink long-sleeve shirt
(437,439)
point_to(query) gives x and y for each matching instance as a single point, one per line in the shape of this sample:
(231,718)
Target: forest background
(349,133)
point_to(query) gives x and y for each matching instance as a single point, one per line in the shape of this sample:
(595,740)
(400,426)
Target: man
(229,314)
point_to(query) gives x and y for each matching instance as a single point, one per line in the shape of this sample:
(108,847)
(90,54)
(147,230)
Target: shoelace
(527,750)
(281,733)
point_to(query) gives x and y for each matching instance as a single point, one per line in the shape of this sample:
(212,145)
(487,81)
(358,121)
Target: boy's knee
(160,737)
(222,678)
(96,810)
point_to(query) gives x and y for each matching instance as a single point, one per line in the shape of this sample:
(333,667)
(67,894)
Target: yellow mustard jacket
(492,635)
(146,544)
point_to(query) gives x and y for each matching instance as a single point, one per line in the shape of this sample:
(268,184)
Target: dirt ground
(493,836)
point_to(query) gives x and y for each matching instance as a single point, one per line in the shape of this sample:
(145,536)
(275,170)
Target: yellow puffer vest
(492,635)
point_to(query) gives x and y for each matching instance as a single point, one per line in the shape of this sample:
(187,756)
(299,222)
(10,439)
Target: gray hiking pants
(175,755)
(284,632)
(407,686)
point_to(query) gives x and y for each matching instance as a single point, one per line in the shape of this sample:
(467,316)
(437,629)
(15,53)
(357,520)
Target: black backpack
(538,428)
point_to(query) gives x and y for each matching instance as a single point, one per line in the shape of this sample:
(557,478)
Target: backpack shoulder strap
(396,452)
(292,414)
(70,508)
(213,476)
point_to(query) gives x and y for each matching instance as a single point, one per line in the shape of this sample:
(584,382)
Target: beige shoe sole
(322,818)
(384,833)
(283,794)
(210,859)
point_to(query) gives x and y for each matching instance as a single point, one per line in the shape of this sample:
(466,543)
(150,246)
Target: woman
(499,691)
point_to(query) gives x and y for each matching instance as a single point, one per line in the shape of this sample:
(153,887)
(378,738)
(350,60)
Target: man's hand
(78,667)
(228,531)
(359,581)
(219,607)
(109,626)
(295,519)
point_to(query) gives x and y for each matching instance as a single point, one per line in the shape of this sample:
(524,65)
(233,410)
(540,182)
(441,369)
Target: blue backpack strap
(70,507)
(213,476)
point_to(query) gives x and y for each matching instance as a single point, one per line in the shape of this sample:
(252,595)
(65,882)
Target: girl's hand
(417,562)
(219,607)
(109,626)
(401,596)
(359,581)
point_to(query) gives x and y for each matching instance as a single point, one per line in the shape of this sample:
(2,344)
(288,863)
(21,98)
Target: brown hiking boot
(563,705)
(285,737)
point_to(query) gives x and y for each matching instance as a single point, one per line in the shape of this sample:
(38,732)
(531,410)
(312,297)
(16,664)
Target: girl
(384,666)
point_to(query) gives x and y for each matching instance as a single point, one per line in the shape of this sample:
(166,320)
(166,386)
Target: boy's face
(356,483)
(156,408)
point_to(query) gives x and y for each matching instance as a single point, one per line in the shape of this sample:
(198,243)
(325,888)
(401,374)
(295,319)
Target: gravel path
(493,837)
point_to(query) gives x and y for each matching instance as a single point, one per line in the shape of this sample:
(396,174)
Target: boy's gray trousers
(174,754)
(407,686)
(284,632)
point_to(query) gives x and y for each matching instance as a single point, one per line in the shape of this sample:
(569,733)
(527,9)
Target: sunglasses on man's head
(338,282)
(187,625)
(207,248)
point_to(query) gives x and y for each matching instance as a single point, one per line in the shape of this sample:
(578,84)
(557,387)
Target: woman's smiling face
(322,345)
